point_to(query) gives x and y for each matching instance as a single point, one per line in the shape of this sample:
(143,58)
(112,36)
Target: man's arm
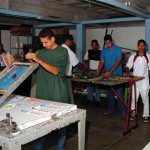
(13,59)
(129,65)
(86,58)
(113,67)
(82,67)
(126,71)
(87,63)
(100,66)
(50,68)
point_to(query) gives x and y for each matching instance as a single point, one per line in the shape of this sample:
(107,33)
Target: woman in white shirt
(2,53)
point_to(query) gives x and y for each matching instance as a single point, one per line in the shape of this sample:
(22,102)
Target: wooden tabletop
(113,80)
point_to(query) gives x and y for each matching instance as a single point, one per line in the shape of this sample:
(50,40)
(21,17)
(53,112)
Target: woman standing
(2,53)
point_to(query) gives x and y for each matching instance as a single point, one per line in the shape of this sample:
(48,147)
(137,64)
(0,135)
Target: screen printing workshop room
(74,74)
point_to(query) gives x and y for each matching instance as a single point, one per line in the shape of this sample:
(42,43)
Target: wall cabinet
(20,45)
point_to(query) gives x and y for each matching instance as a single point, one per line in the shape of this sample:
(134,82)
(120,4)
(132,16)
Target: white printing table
(29,134)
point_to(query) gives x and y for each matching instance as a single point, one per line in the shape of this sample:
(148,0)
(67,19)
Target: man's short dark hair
(67,37)
(108,37)
(46,32)
(71,37)
(141,41)
(94,41)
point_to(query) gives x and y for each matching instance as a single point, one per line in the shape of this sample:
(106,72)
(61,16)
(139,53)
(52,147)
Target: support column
(80,43)
(147,34)
(30,40)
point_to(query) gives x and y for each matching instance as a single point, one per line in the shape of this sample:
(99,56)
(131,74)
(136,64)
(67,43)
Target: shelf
(16,48)
(20,43)
(21,35)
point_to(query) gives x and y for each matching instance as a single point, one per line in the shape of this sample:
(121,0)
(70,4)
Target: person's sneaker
(124,118)
(145,119)
(105,113)
(132,116)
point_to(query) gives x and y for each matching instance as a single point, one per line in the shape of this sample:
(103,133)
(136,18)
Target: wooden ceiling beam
(53,10)
(19,21)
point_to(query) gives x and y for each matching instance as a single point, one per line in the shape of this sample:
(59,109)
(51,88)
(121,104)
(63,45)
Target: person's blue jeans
(61,136)
(91,88)
(111,101)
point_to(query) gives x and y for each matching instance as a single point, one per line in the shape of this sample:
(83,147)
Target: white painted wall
(5,40)
(123,36)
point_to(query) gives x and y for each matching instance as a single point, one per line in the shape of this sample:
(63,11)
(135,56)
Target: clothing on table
(110,56)
(72,60)
(93,57)
(53,88)
(140,67)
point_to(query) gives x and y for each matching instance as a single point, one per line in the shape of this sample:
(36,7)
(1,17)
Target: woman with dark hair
(2,53)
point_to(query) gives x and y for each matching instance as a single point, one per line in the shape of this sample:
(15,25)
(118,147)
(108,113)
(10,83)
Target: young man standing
(141,66)
(92,58)
(51,78)
(111,61)
(73,61)
(72,58)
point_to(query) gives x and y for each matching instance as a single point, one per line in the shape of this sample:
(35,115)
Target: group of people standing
(110,63)
(107,62)
(56,62)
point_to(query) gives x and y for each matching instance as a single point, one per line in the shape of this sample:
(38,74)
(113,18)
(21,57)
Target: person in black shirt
(92,58)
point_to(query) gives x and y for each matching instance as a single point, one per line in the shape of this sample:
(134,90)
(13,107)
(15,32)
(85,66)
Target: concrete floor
(102,132)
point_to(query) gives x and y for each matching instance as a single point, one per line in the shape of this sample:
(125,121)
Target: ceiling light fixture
(135,6)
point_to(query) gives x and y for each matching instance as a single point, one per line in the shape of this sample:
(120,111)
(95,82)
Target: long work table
(111,82)
(35,118)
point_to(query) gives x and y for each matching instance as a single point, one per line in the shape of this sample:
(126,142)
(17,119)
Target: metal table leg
(12,147)
(81,134)
(128,106)
(70,90)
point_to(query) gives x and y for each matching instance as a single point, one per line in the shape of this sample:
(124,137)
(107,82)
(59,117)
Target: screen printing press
(111,83)
(24,119)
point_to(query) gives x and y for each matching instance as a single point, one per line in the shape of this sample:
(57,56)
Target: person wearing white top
(72,58)
(140,62)
(2,53)
(72,62)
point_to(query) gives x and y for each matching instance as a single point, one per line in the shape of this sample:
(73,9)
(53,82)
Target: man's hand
(12,59)
(90,73)
(32,56)
(106,75)
(126,74)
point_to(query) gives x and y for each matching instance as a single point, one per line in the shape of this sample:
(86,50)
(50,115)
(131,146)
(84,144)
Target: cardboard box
(59,31)
(20,30)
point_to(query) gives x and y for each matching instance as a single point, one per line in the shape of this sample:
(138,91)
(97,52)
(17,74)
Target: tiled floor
(103,133)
